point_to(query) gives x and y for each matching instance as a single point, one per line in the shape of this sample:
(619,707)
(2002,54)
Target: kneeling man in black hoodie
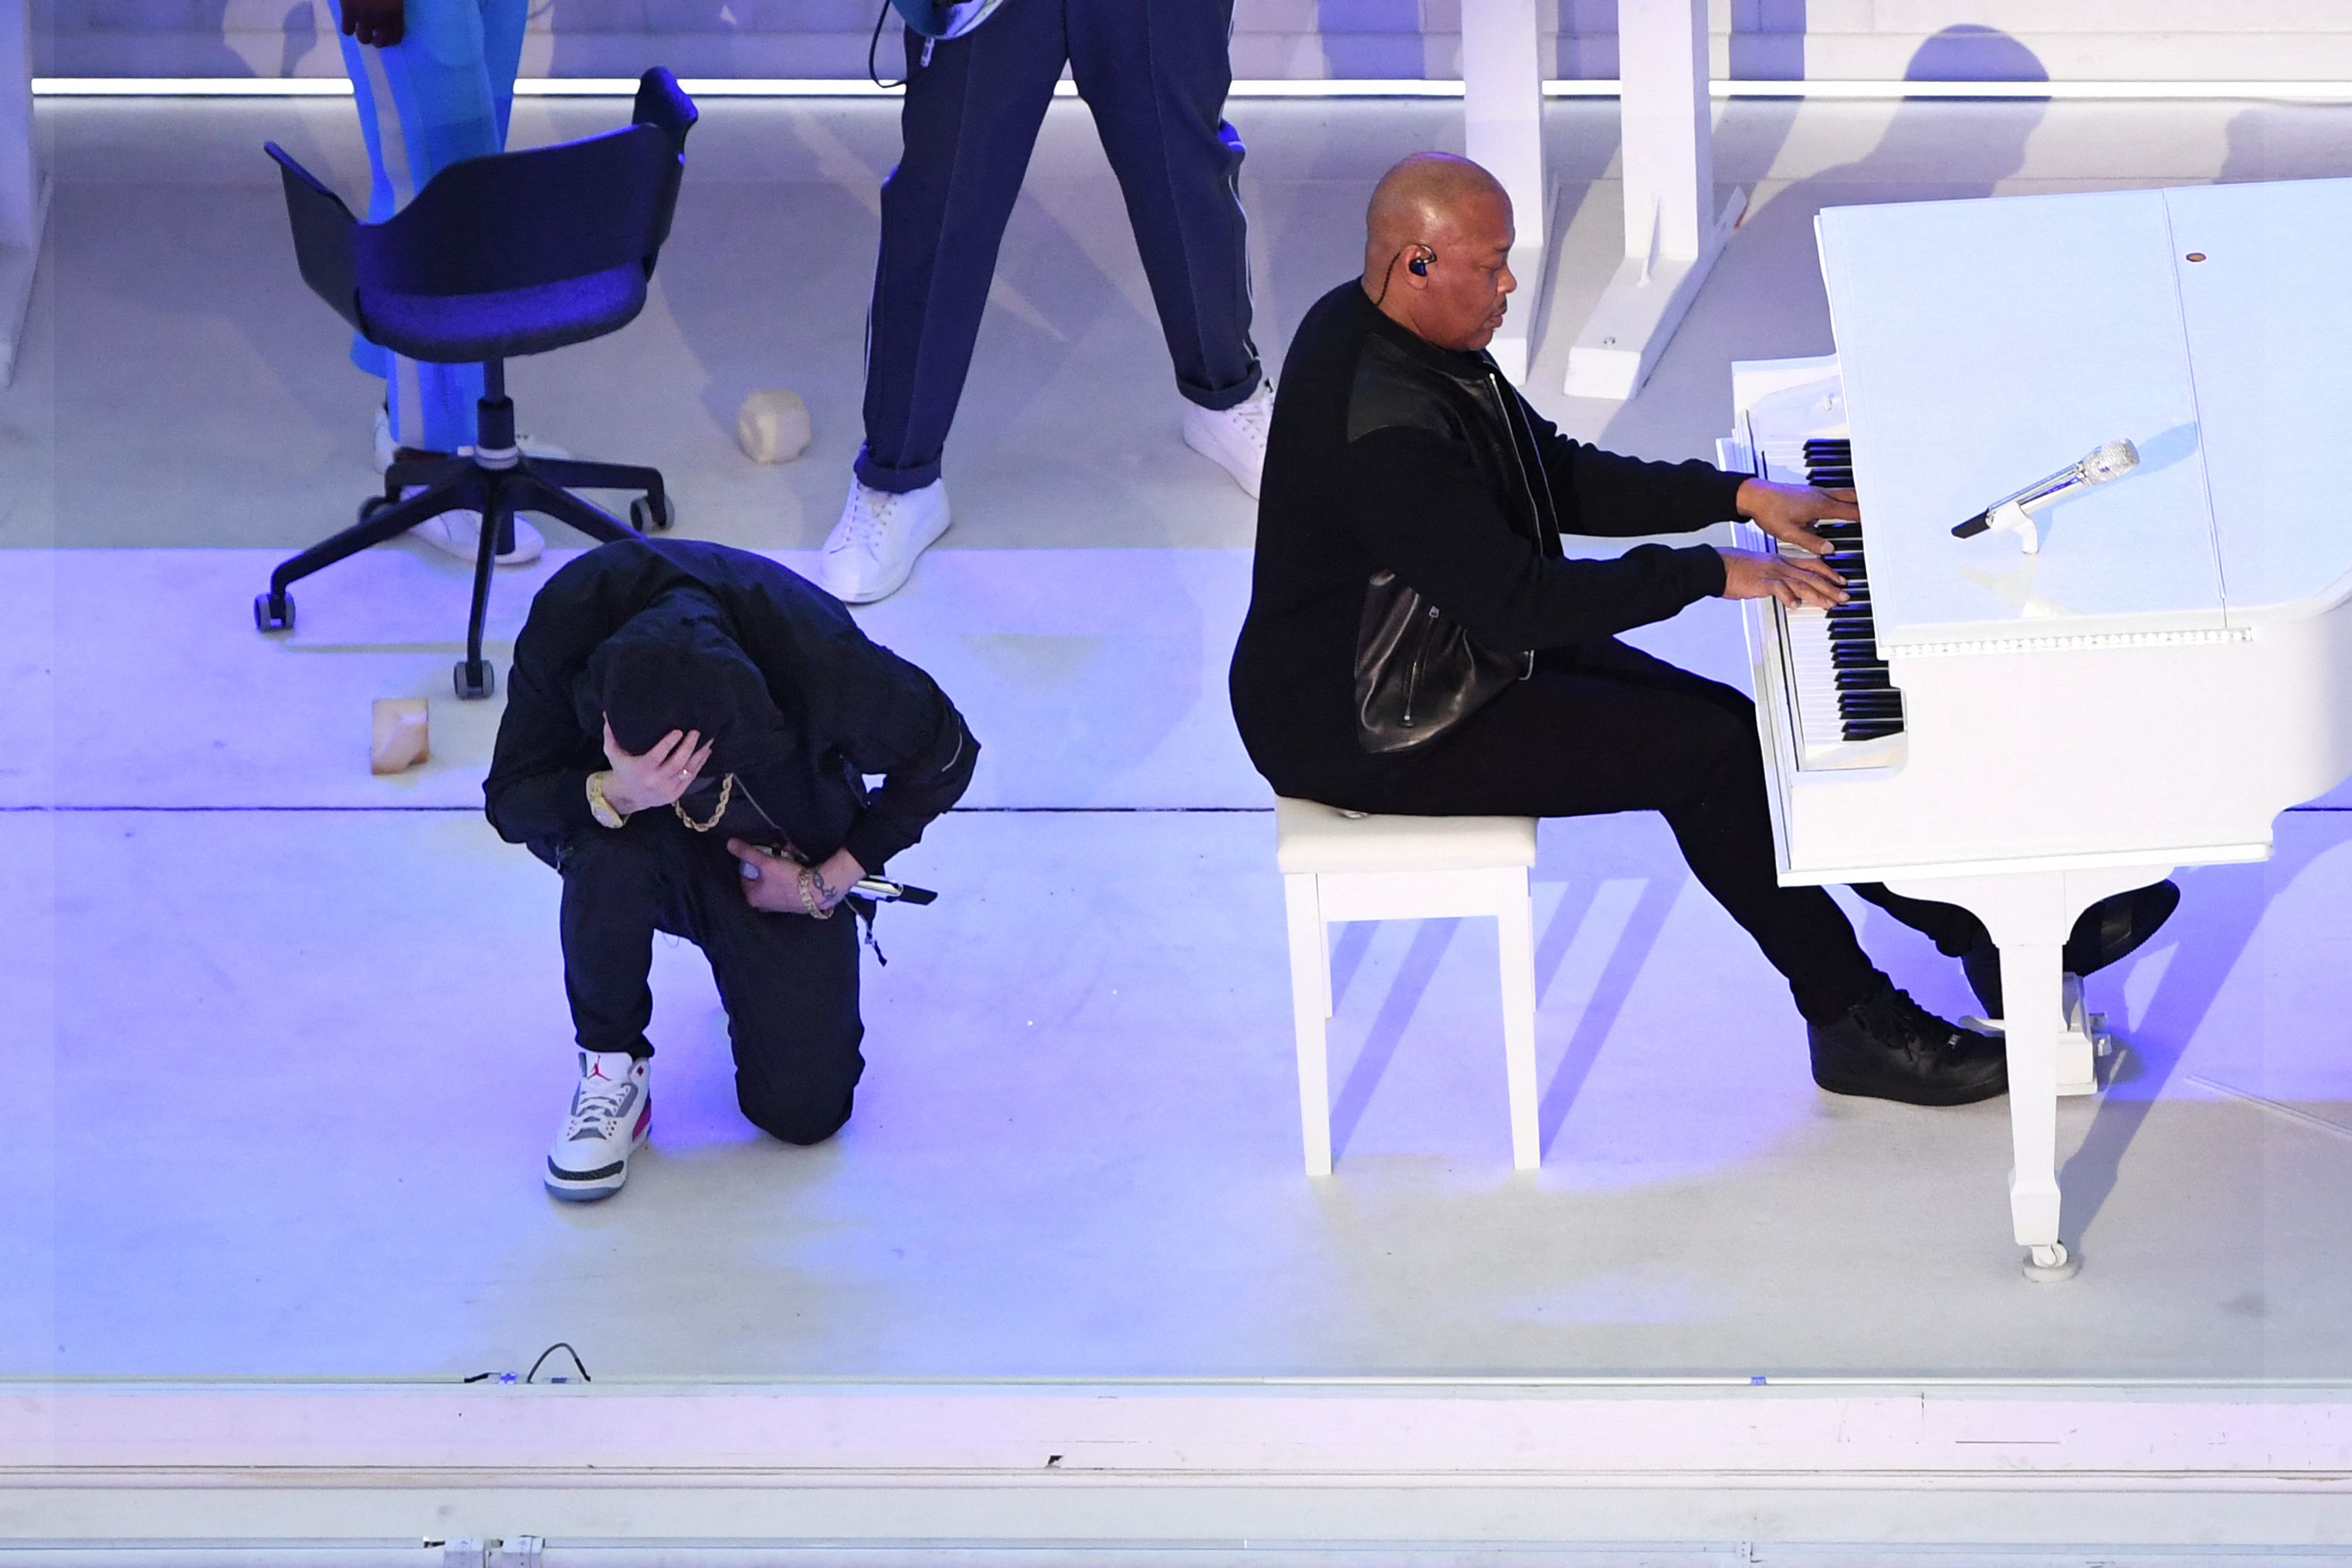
(687,735)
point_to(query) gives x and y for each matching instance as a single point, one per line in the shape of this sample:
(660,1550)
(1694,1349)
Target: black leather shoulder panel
(1390,391)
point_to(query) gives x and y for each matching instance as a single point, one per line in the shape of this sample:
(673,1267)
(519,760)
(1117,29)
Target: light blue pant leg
(444,92)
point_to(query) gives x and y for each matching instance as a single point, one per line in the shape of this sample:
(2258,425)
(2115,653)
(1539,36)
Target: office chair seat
(459,328)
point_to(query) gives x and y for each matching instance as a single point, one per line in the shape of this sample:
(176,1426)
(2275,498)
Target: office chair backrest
(325,236)
(523,220)
(511,221)
(662,102)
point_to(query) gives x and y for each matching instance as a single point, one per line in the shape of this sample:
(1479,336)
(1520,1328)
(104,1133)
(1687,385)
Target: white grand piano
(2025,734)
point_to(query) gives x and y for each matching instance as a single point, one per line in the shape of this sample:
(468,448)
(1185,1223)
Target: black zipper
(1546,526)
(1413,671)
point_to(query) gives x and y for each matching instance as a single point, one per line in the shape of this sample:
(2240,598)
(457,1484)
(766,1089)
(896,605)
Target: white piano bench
(1342,865)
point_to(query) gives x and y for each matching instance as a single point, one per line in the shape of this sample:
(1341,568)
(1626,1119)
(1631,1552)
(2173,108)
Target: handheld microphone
(884,891)
(2013,512)
(881,890)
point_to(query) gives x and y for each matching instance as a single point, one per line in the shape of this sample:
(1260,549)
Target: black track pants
(789,983)
(1604,728)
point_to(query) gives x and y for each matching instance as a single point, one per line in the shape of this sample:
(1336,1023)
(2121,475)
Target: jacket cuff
(873,840)
(1703,570)
(1729,492)
(550,805)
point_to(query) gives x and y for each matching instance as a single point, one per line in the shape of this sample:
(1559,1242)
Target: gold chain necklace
(726,793)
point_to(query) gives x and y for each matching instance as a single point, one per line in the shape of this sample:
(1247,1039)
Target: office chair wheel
(374,504)
(273,612)
(648,517)
(475,679)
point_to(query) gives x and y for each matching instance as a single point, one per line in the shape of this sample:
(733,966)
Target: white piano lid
(2269,317)
(1986,344)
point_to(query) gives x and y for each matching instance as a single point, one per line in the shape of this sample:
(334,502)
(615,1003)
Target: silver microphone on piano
(2014,512)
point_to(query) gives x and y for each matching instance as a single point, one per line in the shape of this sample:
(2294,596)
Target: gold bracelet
(810,900)
(604,810)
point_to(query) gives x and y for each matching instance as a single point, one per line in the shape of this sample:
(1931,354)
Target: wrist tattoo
(817,897)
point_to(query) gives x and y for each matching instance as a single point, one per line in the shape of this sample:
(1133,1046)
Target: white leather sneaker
(1234,438)
(611,1111)
(460,534)
(387,449)
(871,551)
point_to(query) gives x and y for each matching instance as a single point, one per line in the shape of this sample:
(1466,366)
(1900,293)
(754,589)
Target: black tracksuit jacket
(1389,452)
(849,707)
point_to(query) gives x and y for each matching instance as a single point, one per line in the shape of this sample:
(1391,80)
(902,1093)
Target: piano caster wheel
(2048,1265)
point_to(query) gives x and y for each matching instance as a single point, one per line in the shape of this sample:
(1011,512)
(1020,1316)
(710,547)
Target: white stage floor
(309,1043)
(290,1042)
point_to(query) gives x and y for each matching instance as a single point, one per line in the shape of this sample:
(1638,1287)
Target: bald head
(1424,195)
(1437,244)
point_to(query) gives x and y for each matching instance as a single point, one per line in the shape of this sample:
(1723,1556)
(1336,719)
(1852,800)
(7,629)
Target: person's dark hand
(1791,580)
(378,22)
(1785,511)
(656,778)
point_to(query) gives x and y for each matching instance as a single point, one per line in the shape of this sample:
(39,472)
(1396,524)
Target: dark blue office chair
(515,254)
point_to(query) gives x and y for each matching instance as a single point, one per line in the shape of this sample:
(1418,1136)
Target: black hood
(678,664)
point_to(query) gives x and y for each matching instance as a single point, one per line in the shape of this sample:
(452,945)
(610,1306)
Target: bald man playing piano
(1418,644)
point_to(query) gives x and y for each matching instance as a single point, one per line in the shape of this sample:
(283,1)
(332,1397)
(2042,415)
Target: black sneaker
(2110,930)
(1891,1048)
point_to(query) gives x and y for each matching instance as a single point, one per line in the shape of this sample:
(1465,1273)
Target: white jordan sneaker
(611,1111)
(1234,438)
(872,551)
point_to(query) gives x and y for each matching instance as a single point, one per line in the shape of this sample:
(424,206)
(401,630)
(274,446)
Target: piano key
(1838,692)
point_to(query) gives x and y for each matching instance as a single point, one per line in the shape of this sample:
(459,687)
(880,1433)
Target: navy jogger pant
(1154,73)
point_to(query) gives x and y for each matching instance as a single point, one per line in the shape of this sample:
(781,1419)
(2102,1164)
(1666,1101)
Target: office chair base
(451,484)
(653,513)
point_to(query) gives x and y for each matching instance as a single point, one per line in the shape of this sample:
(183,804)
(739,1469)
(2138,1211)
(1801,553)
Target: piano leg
(2033,987)
(2030,916)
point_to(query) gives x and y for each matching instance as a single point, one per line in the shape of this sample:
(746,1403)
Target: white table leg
(1502,131)
(1674,230)
(1309,1008)
(24,192)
